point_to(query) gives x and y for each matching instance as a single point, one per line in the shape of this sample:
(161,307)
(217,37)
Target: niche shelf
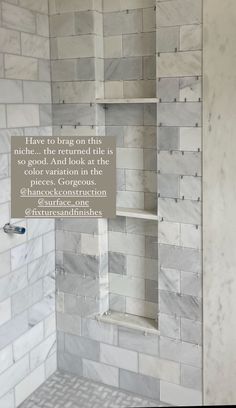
(142,324)
(131,100)
(136,213)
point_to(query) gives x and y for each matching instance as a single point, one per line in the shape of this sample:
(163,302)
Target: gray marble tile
(123,22)
(88,226)
(191,377)
(180,305)
(191,331)
(191,284)
(117,263)
(168,89)
(13,329)
(135,45)
(62,25)
(18,18)
(179,12)
(168,138)
(9,41)
(11,91)
(150,159)
(169,325)
(182,211)
(138,383)
(184,259)
(35,46)
(124,115)
(168,39)
(69,324)
(82,347)
(45,114)
(64,70)
(101,372)
(168,185)
(187,164)
(84,264)
(151,291)
(68,114)
(19,67)
(149,67)
(117,302)
(70,363)
(123,69)
(179,114)
(84,23)
(102,332)
(85,69)
(27,297)
(178,351)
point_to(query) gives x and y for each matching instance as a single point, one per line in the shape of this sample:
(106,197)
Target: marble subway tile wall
(179,67)
(129,49)
(27,272)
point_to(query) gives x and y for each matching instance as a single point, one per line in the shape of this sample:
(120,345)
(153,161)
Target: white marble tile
(18,18)
(76,47)
(176,394)
(9,41)
(13,375)
(179,64)
(127,243)
(127,286)
(3,122)
(159,368)
(18,67)
(29,384)
(5,311)
(35,46)
(22,115)
(179,12)
(191,37)
(119,357)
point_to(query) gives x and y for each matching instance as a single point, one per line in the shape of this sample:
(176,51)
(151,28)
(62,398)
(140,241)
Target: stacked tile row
(179,67)
(27,273)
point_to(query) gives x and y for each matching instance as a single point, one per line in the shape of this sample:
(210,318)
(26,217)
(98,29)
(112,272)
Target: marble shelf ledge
(130,100)
(139,323)
(136,213)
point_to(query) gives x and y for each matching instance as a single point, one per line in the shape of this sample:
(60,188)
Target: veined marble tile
(129,158)
(105,333)
(73,5)
(13,375)
(28,341)
(168,39)
(6,358)
(149,19)
(29,384)
(9,41)
(68,323)
(139,383)
(169,325)
(37,92)
(72,114)
(35,46)
(26,253)
(169,280)
(136,341)
(140,89)
(182,211)
(74,92)
(190,89)
(179,64)
(185,259)
(35,5)
(191,237)
(138,180)
(62,25)
(122,23)
(190,139)
(168,185)
(187,164)
(168,89)
(113,89)
(5,311)
(191,377)
(136,45)
(64,70)
(11,330)
(18,67)
(176,394)
(119,357)
(159,368)
(42,25)
(179,12)
(191,331)
(130,115)
(18,18)
(121,69)
(22,115)
(191,284)
(141,267)
(101,372)
(140,137)
(82,347)
(127,286)
(130,199)
(149,67)
(169,233)
(168,138)
(180,351)
(186,306)
(191,37)
(190,188)
(5,261)
(141,307)
(22,300)
(76,47)
(11,91)
(41,352)
(127,243)
(117,302)
(113,47)
(179,114)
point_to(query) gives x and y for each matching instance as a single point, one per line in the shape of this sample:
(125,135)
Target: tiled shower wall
(27,277)
(167,366)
